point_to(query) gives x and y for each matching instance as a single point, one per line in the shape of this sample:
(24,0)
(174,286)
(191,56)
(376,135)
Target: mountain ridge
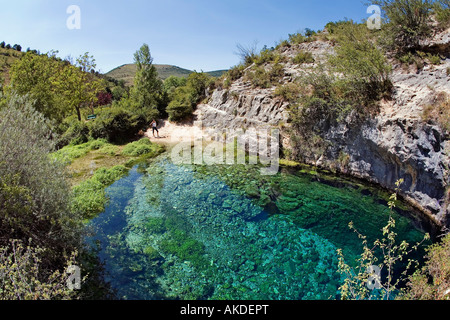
(126,72)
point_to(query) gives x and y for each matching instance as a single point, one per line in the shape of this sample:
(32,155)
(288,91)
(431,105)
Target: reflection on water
(185,232)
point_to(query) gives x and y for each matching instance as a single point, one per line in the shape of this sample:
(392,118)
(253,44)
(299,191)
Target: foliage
(34,194)
(142,147)
(89,197)
(303,57)
(364,66)
(260,77)
(25,144)
(117,123)
(356,281)
(33,75)
(23,276)
(432,282)
(289,92)
(147,89)
(182,104)
(441,9)
(172,83)
(57,86)
(407,22)
(185,98)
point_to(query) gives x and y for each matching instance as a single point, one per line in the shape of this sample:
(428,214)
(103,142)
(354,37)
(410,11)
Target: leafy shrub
(289,91)
(71,152)
(34,193)
(303,57)
(407,22)
(117,124)
(432,282)
(265,56)
(441,9)
(24,277)
(365,68)
(333,26)
(141,147)
(296,38)
(182,105)
(109,149)
(262,78)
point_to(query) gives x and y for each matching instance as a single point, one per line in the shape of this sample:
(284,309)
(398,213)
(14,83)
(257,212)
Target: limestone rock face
(394,144)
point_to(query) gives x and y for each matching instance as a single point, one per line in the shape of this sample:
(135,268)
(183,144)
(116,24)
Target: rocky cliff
(396,143)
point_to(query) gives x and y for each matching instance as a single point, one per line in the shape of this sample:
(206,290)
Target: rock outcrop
(395,144)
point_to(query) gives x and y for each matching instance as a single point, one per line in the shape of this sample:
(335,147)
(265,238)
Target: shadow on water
(186,232)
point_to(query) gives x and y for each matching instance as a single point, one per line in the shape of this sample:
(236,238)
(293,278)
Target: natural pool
(226,232)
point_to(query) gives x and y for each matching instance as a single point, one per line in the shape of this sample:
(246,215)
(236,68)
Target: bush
(24,277)
(441,10)
(141,147)
(34,193)
(365,68)
(296,38)
(76,132)
(117,124)
(289,92)
(303,57)
(432,282)
(182,105)
(407,22)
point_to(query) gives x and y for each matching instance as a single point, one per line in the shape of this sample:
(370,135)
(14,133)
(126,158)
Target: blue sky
(192,34)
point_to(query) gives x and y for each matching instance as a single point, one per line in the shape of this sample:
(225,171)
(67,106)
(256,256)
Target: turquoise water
(198,232)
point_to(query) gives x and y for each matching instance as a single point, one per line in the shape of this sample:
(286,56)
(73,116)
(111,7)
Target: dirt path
(171,133)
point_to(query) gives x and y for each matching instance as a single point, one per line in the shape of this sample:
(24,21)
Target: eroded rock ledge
(395,144)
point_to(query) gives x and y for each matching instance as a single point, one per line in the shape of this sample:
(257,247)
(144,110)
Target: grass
(85,159)
(97,164)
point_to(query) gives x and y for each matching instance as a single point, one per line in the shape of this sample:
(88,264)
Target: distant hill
(126,72)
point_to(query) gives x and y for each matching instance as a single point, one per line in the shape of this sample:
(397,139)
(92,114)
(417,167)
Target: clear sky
(192,34)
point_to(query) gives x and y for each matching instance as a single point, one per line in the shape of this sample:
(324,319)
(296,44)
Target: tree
(407,22)
(147,87)
(77,85)
(2,44)
(17,47)
(34,75)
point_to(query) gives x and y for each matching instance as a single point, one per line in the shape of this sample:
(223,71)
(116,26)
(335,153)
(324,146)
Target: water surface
(197,232)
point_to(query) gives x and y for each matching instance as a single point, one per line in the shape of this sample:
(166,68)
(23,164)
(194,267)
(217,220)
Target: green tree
(77,84)
(34,75)
(182,104)
(147,88)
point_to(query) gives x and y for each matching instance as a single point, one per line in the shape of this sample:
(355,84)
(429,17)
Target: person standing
(154,126)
